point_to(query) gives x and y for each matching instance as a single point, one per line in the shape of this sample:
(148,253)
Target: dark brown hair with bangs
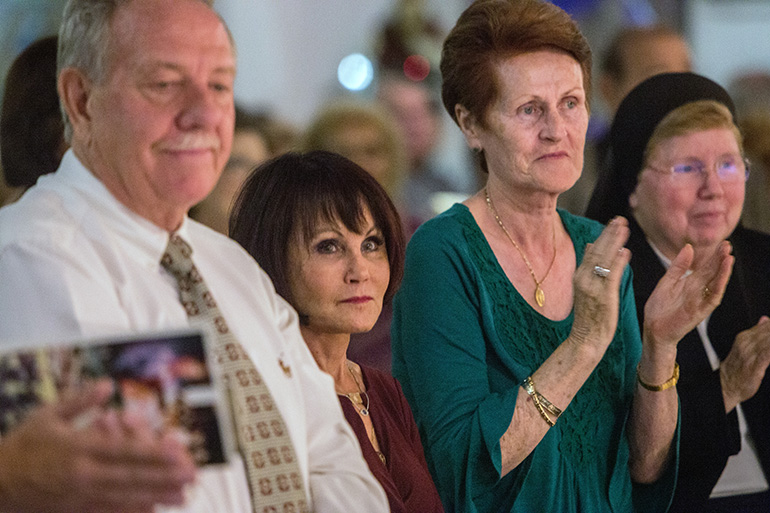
(492,30)
(290,195)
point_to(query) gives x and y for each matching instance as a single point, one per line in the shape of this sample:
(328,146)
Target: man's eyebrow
(172,66)
(230,69)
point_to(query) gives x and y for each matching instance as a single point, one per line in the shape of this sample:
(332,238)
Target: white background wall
(289,49)
(729,37)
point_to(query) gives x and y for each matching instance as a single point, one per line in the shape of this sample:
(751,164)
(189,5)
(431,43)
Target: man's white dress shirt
(76,263)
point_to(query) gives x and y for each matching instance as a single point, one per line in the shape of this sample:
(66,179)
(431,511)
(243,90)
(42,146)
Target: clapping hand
(742,372)
(597,284)
(683,299)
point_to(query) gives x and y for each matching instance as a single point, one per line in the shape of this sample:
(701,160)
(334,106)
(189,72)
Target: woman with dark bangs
(331,240)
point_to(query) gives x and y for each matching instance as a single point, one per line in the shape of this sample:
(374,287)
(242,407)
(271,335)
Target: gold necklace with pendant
(358,404)
(539,294)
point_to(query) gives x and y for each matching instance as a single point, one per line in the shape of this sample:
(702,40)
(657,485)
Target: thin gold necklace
(364,410)
(539,294)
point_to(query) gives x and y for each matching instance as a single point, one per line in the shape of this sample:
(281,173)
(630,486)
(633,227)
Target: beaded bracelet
(543,405)
(659,388)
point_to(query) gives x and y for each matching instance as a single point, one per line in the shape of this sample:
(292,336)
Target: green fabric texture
(463,340)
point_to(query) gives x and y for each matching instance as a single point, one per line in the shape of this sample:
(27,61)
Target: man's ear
(469,126)
(74,92)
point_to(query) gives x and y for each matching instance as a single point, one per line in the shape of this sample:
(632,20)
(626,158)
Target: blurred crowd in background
(395,127)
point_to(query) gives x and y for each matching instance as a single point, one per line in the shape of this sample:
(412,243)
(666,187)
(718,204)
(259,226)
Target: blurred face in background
(643,57)
(411,106)
(249,150)
(364,144)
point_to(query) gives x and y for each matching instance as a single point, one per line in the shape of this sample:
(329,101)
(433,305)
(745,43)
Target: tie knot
(177,257)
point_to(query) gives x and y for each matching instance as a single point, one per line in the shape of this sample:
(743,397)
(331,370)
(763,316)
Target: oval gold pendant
(539,296)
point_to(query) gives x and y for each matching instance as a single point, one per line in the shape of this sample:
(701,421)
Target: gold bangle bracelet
(542,411)
(543,405)
(548,405)
(659,388)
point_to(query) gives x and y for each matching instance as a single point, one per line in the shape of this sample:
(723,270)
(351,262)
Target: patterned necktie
(274,475)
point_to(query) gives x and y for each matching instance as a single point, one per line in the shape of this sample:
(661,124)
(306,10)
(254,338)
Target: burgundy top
(405,477)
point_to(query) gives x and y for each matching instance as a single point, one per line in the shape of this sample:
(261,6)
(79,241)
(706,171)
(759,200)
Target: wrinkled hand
(741,373)
(596,297)
(679,301)
(114,463)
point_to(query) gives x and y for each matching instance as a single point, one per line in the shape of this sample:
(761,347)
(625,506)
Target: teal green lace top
(463,341)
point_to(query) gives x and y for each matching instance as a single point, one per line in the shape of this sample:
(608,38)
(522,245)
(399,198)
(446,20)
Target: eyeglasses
(729,169)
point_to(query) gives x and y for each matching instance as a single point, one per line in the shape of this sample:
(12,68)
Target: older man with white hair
(104,246)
